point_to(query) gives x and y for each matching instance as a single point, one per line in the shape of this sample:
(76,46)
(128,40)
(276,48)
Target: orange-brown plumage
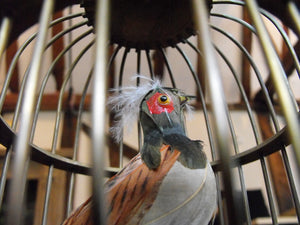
(130,193)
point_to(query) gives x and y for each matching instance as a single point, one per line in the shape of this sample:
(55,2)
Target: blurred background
(63,120)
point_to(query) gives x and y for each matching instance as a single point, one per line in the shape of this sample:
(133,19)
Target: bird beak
(185,98)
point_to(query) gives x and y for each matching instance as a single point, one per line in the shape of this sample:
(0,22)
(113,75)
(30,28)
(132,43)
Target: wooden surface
(247,43)
(10,52)
(57,204)
(278,174)
(57,48)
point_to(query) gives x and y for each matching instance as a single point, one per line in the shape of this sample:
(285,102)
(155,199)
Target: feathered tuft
(126,104)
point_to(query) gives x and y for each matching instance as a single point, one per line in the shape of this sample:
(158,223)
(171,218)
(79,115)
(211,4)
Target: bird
(170,181)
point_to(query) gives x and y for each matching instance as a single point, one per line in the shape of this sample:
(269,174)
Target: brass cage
(273,101)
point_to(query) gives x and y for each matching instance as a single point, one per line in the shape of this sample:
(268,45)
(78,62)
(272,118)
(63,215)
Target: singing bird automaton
(171,181)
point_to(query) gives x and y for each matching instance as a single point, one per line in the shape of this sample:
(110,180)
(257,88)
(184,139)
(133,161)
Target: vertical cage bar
(121,74)
(219,113)
(209,130)
(295,15)
(162,51)
(56,129)
(272,112)
(150,64)
(278,77)
(233,134)
(291,182)
(98,108)
(138,70)
(4,34)
(21,147)
(269,190)
(76,142)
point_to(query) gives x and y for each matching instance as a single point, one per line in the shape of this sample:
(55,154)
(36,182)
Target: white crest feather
(126,104)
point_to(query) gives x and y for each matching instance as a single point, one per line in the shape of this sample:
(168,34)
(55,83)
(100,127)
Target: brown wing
(82,215)
(130,193)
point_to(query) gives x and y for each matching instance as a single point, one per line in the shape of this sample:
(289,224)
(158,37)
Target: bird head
(163,107)
(161,116)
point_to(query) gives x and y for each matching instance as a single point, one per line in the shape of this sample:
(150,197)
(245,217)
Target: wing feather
(130,193)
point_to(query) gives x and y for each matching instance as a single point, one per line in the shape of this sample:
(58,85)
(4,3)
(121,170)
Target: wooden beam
(284,48)
(158,64)
(275,162)
(69,128)
(247,43)
(288,66)
(70,119)
(114,155)
(10,52)
(200,73)
(276,165)
(57,48)
(49,102)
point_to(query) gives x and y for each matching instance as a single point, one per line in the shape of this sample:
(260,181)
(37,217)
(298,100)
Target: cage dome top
(147,24)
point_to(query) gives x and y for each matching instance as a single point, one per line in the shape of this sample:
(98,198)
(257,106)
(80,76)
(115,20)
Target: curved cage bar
(239,58)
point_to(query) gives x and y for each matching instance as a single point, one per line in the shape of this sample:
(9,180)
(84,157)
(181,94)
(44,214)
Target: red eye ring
(160,103)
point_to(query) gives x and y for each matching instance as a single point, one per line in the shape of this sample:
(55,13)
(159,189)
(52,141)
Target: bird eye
(164,99)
